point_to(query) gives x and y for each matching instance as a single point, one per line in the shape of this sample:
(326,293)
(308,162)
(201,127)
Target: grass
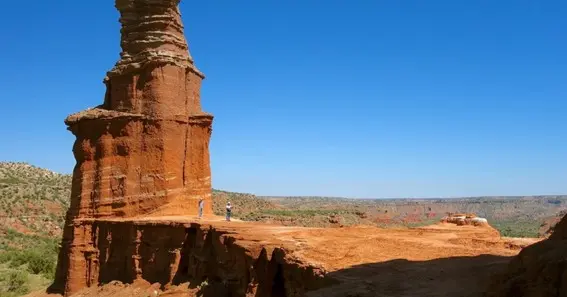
(10,180)
(27,262)
(16,282)
(302,212)
(517,228)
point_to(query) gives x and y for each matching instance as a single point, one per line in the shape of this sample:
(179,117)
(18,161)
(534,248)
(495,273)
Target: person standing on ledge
(228,211)
(201,206)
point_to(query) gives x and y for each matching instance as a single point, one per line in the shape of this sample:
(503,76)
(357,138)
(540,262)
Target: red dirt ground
(438,260)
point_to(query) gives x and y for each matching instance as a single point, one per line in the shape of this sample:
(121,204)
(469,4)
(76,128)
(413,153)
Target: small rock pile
(463,219)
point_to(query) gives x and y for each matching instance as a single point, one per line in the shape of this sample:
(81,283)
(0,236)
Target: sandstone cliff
(229,260)
(144,151)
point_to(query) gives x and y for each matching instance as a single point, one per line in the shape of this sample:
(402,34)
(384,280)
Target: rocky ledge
(241,260)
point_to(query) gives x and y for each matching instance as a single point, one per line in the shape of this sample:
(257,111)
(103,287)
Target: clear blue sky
(360,98)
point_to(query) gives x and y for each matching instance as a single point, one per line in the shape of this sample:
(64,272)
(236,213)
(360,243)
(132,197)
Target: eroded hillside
(32,206)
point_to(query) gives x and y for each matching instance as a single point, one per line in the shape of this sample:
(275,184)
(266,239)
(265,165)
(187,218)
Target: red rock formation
(145,150)
(144,153)
(539,270)
(461,219)
(175,252)
(550,223)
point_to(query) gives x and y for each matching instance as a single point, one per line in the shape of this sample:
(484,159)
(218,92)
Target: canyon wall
(171,253)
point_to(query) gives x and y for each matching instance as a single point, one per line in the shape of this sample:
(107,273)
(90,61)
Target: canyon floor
(437,260)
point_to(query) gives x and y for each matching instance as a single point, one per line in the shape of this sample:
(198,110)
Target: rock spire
(144,152)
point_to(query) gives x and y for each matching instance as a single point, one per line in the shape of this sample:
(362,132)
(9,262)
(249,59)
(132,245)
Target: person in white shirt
(228,211)
(201,206)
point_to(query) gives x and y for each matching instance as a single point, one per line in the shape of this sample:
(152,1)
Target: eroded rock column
(145,150)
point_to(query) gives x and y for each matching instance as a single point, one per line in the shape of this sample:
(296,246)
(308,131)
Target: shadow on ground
(456,276)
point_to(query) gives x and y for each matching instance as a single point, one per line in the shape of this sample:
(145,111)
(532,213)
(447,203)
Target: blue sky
(323,97)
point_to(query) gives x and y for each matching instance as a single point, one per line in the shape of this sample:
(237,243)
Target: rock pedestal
(145,151)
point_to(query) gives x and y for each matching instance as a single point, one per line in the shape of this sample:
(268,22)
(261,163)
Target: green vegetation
(32,199)
(32,206)
(512,216)
(303,212)
(243,204)
(517,228)
(17,282)
(33,202)
(26,262)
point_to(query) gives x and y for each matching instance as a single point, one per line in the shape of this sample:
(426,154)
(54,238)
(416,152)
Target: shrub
(40,264)
(18,282)
(37,263)
(6,256)
(519,228)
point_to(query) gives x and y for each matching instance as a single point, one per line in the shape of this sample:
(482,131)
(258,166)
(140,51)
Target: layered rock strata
(230,262)
(145,150)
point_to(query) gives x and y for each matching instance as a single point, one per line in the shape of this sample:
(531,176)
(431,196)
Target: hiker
(201,206)
(228,211)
